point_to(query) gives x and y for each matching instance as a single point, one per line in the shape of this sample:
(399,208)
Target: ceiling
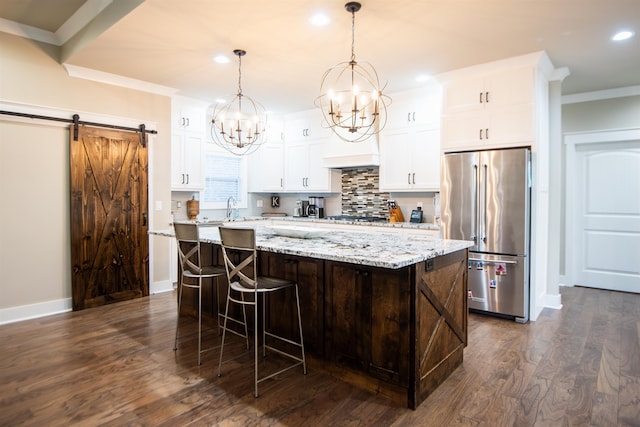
(172,42)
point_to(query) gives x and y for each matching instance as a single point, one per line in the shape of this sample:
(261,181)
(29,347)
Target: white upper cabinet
(306,141)
(410,142)
(499,89)
(267,163)
(419,107)
(187,138)
(493,105)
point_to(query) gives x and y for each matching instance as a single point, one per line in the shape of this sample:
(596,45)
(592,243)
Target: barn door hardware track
(76,122)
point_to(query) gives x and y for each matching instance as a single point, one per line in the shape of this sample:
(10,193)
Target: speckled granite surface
(388,250)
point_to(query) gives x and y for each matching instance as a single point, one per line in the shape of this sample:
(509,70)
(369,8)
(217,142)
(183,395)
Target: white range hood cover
(342,154)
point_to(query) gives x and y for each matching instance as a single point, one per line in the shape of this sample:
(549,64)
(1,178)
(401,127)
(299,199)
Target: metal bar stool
(192,271)
(242,241)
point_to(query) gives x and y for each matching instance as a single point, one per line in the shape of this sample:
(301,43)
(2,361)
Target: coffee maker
(316,207)
(302,208)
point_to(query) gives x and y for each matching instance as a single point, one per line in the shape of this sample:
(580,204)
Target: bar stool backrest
(189,247)
(243,242)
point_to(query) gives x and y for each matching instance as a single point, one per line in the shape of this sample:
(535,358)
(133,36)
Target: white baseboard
(545,301)
(161,286)
(33,311)
(48,308)
(553,301)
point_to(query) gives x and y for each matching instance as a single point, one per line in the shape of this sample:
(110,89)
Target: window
(224,177)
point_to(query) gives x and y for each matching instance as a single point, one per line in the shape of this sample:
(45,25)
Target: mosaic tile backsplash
(361,194)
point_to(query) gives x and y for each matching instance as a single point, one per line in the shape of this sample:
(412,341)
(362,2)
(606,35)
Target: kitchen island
(385,311)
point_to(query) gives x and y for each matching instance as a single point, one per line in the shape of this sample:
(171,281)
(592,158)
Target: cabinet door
(395,160)
(193,161)
(296,166)
(410,160)
(462,131)
(512,126)
(415,108)
(317,175)
(270,169)
(463,95)
(367,314)
(426,159)
(509,87)
(186,162)
(178,178)
(501,127)
(389,323)
(348,316)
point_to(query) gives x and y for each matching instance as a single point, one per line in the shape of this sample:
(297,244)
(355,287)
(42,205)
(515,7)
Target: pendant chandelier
(351,98)
(239,126)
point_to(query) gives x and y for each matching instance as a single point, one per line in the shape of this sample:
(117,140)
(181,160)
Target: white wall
(34,172)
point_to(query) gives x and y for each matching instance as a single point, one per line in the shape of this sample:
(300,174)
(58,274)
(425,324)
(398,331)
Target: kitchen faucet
(230,201)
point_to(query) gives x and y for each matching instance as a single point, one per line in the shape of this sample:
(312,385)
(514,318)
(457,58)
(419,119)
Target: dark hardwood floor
(115,366)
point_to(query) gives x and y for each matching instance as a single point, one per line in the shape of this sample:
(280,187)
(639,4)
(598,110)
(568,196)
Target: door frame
(571,141)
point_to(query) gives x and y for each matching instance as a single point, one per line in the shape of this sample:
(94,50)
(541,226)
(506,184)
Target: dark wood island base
(398,332)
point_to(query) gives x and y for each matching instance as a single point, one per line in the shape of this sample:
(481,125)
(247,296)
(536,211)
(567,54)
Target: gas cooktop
(357,218)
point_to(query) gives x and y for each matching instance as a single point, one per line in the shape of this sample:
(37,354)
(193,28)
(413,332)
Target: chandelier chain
(240,75)
(353,36)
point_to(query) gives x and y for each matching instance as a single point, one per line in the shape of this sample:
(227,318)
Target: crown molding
(601,94)
(83,16)
(116,80)
(28,32)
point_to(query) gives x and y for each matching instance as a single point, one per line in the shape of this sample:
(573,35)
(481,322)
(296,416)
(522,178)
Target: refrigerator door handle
(474,223)
(484,205)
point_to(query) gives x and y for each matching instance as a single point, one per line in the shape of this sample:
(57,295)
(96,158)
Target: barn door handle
(144,219)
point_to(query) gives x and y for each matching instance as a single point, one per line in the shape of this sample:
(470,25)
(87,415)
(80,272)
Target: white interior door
(607,215)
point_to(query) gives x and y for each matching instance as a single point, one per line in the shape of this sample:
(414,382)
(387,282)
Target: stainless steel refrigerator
(485,197)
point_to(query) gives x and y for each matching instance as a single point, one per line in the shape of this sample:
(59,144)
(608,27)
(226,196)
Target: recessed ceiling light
(319,20)
(622,35)
(421,78)
(221,59)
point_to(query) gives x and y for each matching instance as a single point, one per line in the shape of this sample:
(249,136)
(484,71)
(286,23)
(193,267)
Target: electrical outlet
(259,203)
(419,205)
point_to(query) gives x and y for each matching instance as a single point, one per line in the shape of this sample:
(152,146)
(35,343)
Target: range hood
(342,154)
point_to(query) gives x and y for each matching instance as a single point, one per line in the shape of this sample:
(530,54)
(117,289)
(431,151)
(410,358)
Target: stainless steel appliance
(485,197)
(302,208)
(316,207)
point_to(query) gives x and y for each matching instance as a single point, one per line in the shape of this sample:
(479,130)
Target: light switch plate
(158,205)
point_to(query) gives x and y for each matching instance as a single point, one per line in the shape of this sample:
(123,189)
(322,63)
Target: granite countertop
(364,248)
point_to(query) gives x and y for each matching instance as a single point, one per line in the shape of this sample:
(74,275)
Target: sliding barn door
(109,243)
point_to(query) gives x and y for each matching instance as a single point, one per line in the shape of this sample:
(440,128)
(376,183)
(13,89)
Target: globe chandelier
(239,126)
(351,98)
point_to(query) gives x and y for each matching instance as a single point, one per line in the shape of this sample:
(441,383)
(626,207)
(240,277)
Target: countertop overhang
(367,247)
